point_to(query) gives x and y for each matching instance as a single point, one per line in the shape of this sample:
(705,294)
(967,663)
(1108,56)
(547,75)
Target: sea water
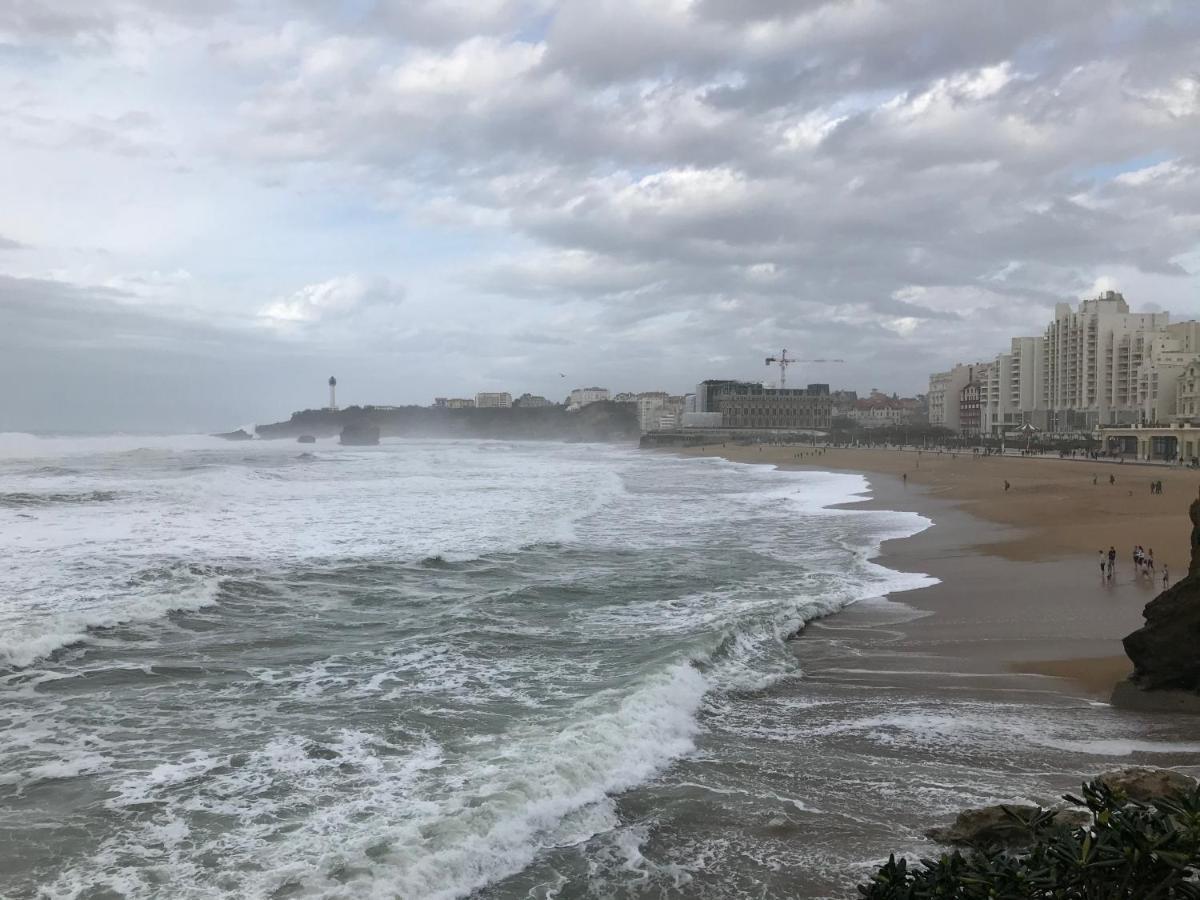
(437,669)
(409,670)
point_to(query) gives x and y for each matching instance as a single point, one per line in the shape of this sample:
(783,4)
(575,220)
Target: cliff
(599,422)
(1166,650)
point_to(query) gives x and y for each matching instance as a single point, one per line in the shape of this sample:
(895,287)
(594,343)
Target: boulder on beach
(306,439)
(1004,823)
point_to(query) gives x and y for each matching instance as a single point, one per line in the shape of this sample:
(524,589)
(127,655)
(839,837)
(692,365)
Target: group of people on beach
(1143,565)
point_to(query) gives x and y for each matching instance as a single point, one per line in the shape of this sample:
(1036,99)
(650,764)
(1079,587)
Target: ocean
(441,669)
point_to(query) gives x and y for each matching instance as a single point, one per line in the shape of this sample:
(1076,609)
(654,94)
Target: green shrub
(1130,850)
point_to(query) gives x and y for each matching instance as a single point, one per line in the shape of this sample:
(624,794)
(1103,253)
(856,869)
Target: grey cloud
(912,182)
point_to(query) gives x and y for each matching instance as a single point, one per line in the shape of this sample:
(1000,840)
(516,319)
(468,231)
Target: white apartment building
(944,388)
(1090,360)
(581,397)
(1096,364)
(1009,387)
(658,410)
(493,400)
(1170,352)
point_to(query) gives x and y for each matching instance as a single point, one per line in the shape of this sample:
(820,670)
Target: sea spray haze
(416,670)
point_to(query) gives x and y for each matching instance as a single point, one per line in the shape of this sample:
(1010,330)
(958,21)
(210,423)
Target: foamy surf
(425,671)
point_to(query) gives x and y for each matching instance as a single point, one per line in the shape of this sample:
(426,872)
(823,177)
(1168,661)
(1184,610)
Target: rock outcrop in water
(240,435)
(360,434)
(1166,650)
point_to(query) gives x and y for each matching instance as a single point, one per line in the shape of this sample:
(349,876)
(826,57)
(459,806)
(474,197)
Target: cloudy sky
(208,206)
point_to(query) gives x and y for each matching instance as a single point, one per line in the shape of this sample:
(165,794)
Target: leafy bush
(1130,850)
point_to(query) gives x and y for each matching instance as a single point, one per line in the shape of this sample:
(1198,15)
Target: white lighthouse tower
(332,393)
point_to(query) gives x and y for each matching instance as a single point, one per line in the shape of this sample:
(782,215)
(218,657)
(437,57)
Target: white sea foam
(549,719)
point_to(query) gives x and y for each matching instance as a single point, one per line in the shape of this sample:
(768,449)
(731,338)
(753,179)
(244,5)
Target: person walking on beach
(1112,479)
(1112,560)
(1103,563)
(1166,575)
(1006,485)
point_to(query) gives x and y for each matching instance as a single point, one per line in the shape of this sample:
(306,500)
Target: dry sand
(1020,585)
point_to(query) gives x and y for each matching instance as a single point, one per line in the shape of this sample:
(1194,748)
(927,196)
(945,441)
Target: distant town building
(457,403)
(531,401)
(581,397)
(332,394)
(493,400)
(625,397)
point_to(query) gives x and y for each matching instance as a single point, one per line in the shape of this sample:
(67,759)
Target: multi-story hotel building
(1090,360)
(1096,364)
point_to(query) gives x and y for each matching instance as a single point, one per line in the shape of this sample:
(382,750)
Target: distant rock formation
(360,434)
(1166,650)
(240,435)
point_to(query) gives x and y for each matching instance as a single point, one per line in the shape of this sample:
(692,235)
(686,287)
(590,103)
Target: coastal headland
(1020,588)
(601,422)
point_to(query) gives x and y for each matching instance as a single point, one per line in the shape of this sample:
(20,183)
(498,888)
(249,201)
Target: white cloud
(335,298)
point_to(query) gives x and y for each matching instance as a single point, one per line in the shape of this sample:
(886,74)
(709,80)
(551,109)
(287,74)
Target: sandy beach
(1020,588)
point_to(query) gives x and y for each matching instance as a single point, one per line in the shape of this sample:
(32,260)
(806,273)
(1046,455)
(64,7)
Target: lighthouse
(332,393)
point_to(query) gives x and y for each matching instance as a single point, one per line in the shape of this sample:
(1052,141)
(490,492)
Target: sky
(208,207)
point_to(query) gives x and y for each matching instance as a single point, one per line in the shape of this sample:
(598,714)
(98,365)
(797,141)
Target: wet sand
(1020,598)
(990,686)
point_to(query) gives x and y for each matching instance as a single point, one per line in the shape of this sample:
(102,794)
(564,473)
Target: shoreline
(1016,606)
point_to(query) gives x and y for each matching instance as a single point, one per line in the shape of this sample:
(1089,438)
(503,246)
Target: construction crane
(783,361)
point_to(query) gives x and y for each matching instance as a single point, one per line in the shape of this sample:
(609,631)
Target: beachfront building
(878,411)
(1096,364)
(650,406)
(1090,360)
(1187,395)
(531,401)
(970,402)
(454,403)
(493,400)
(748,404)
(1009,388)
(581,397)
(944,391)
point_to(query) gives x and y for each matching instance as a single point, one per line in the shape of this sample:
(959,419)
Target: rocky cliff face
(1166,650)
